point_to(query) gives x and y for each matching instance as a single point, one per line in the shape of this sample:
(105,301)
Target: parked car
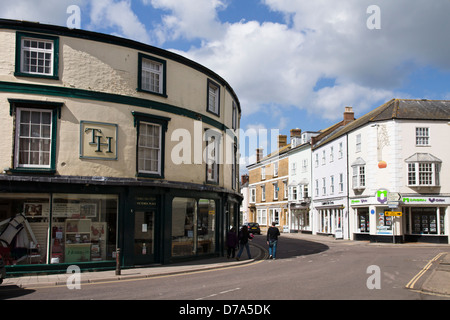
(253,227)
(2,269)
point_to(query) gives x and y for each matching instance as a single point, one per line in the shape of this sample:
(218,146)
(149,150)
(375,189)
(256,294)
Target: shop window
(83,228)
(425,220)
(36,55)
(152,75)
(363,220)
(24,228)
(193,227)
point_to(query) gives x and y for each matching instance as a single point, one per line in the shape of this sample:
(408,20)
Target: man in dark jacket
(272,240)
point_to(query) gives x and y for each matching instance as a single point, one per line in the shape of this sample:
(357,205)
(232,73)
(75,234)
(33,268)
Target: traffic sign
(393,213)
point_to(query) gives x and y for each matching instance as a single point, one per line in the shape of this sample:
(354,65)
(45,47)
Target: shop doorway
(144,237)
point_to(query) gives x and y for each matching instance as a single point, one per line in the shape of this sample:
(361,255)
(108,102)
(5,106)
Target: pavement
(436,273)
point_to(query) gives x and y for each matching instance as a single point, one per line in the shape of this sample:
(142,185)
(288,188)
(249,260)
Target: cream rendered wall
(109,68)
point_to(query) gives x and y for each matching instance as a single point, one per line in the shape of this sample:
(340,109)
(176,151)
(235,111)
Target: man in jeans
(272,239)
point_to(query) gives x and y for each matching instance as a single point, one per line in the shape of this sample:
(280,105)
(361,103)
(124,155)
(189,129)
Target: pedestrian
(272,240)
(231,243)
(244,236)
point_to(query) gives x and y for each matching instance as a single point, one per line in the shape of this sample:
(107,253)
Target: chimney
(282,141)
(244,179)
(259,154)
(295,133)
(349,115)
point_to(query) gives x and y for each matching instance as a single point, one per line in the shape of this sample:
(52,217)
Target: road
(303,270)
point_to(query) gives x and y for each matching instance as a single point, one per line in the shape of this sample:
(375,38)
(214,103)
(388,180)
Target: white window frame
(32,135)
(213,102)
(142,147)
(40,55)
(285,189)
(152,76)
(263,173)
(252,195)
(275,190)
(261,217)
(359,176)
(263,193)
(417,176)
(358,143)
(275,169)
(422,136)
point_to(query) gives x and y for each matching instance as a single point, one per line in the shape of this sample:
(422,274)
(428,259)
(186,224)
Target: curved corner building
(111,144)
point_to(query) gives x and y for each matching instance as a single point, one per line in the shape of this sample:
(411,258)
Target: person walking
(231,243)
(244,236)
(272,240)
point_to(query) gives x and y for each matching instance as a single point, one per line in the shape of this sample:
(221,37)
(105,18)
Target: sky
(292,63)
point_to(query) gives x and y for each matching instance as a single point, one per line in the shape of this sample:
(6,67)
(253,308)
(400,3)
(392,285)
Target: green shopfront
(48,224)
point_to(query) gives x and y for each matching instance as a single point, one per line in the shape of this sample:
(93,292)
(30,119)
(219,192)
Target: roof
(423,157)
(404,109)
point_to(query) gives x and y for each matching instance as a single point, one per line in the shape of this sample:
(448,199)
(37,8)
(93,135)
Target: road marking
(217,294)
(413,281)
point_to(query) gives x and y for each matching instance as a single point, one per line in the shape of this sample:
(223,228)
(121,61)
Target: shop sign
(146,202)
(393,213)
(98,140)
(432,200)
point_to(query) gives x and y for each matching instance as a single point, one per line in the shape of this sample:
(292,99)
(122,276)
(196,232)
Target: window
(422,136)
(423,174)
(152,75)
(274,215)
(263,193)
(358,143)
(304,165)
(359,177)
(263,173)
(293,194)
(261,216)
(341,150)
(423,170)
(35,135)
(212,157)
(275,169)
(234,168)
(324,158)
(332,185)
(359,174)
(36,55)
(285,189)
(150,144)
(331,154)
(324,186)
(234,115)
(316,187)
(149,148)
(341,182)
(252,195)
(317,159)
(213,98)
(293,168)
(275,191)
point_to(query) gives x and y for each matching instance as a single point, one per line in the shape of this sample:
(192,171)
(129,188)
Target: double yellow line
(413,281)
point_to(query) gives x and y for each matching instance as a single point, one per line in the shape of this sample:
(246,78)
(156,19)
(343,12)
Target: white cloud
(118,16)
(188,20)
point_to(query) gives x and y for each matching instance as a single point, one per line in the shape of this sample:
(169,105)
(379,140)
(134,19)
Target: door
(144,237)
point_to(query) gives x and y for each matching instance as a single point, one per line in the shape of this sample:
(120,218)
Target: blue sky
(292,63)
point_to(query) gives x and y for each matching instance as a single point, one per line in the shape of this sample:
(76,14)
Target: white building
(329,180)
(300,214)
(398,159)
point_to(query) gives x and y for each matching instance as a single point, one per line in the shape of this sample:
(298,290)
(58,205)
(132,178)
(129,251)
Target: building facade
(398,162)
(300,174)
(268,187)
(329,175)
(111,144)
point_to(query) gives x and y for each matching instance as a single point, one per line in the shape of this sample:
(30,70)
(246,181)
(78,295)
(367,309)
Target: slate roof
(404,109)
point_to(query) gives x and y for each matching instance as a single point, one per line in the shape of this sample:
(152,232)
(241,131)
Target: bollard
(118,262)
